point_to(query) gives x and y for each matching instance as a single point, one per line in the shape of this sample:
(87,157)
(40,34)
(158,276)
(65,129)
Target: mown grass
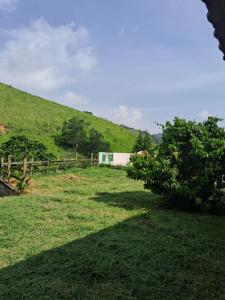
(42,120)
(94,234)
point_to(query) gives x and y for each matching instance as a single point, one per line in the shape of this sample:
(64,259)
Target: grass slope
(41,119)
(94,234)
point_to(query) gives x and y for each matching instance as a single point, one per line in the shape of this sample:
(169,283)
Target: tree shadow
(152,256)
(130,200)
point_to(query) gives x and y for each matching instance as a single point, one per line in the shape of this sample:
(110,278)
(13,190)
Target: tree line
(76,136)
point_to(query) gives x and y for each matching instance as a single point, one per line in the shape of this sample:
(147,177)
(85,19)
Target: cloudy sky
(135,62)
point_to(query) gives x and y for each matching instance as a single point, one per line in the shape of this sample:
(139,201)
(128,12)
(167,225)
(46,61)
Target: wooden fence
(23,170)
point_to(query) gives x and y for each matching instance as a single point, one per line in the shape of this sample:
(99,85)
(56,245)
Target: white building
(114,159)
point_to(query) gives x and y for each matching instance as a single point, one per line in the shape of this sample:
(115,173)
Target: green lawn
(94,234)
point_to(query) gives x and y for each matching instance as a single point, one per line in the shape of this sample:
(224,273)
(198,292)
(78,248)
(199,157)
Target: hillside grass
(95,234)
(42,120)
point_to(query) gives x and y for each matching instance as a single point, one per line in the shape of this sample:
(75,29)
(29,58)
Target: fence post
(91,159)
(24,167)
(32,166)
(76,160)
(9,167)
(2,167)
(47,167)
(97,160)
(57,166)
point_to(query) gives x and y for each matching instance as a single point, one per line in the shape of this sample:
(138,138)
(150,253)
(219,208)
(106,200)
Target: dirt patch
(13,182)
(3,129)
(70,177)
(31,188)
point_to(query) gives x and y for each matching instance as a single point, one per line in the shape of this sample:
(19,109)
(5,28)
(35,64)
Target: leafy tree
(96,142)
(143,142)
(74,134)
(20,147)
(188,167)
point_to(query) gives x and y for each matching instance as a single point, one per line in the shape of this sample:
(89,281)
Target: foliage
(40,119)
(94,234)
(188,167)
(20,147)
(96,143)
(74,134)
(88,112)
(143,142)
(77,136)
(21,185)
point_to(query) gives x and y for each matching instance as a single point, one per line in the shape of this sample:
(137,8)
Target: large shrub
(188,167)
(21,146)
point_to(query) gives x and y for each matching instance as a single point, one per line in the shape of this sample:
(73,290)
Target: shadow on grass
(130,200)
(158,255)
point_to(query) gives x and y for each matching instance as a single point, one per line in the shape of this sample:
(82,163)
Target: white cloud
(74,100)
(127,115)
(203,116)
(8,5)
(42,58)
(85,60)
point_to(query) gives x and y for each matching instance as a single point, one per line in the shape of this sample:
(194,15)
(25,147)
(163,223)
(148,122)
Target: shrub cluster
(188,167)
(21,146)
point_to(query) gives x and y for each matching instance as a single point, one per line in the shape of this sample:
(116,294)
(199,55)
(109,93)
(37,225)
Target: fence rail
(23,170)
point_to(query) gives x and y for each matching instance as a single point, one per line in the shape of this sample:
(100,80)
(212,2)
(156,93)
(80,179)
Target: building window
(103,157)
(110,158)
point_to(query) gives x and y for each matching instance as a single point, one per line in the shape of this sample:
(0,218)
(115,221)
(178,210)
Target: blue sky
(135,62)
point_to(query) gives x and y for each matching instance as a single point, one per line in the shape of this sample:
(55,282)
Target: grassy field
(94,234)
(42,120)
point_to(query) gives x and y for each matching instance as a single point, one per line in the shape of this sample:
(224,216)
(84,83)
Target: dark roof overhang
(216,16)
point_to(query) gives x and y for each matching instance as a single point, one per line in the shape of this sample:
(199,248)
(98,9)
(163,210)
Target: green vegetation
(20,147)
(77,136)
(42,120)
(96,143)
(143,142)
(188,166)
(95,234)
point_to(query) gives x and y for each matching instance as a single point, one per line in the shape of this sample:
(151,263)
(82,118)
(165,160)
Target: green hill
(42,120)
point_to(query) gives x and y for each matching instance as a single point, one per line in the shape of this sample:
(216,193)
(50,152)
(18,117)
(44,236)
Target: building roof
(216,16)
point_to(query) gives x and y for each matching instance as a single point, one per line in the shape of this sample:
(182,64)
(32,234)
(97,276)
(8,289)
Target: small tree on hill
(77,136)
(96,142)
(188,167)
(74,134)
(143,142)
(20,147)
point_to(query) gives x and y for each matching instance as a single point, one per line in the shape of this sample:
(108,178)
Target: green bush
(20,147)
(188,167)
